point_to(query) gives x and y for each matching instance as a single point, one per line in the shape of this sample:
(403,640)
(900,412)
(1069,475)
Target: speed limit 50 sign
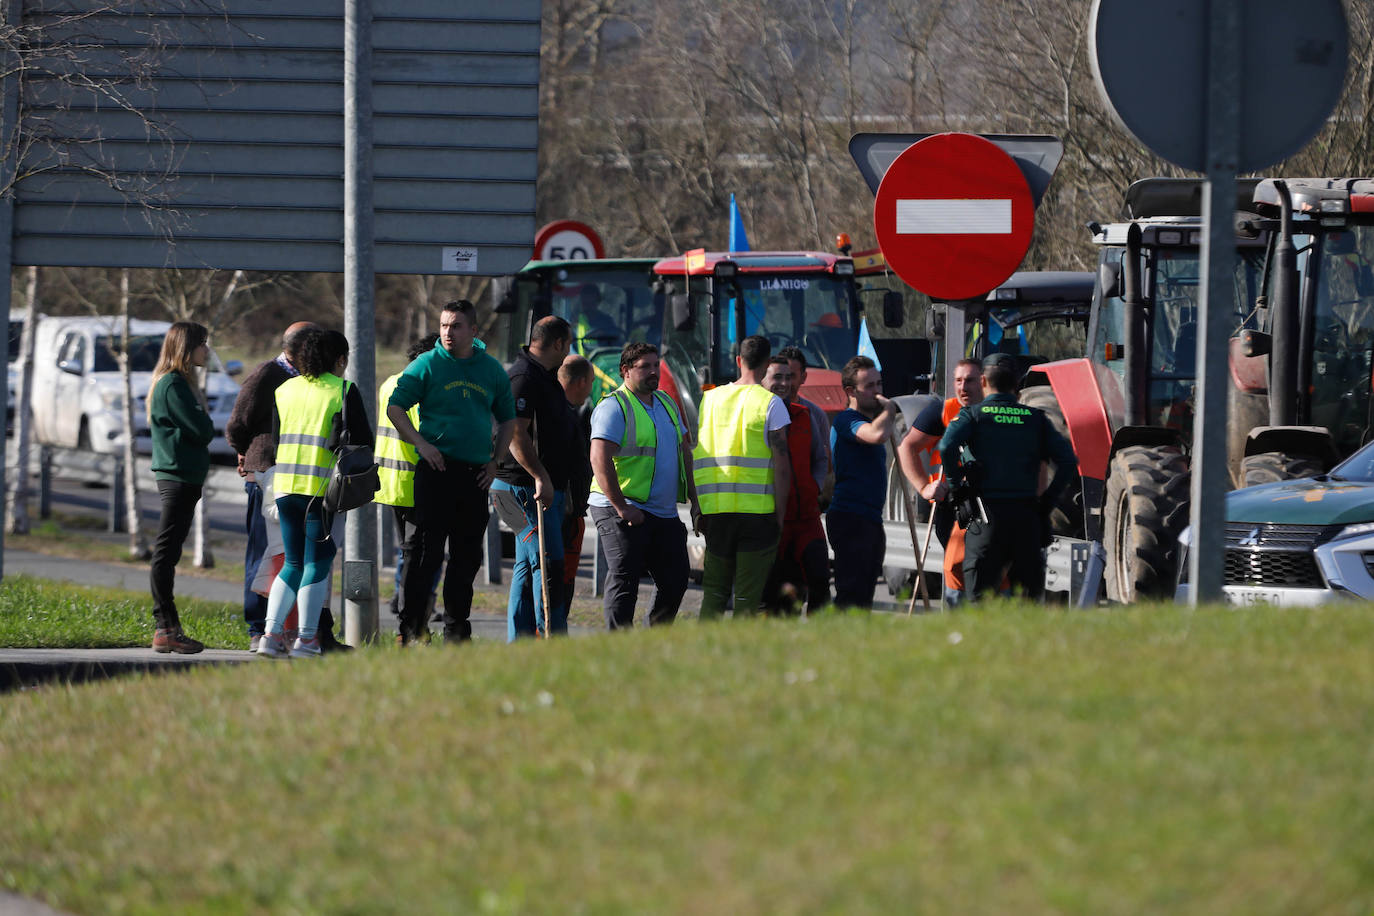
(567,240)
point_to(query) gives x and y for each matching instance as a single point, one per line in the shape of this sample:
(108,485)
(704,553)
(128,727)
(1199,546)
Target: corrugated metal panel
(247,161)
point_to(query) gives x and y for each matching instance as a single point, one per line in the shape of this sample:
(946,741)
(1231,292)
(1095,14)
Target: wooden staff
(543,572)
(911,527)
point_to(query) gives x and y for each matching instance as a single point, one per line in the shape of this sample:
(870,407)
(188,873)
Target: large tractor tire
(1066,518)
(1146,510)
(1271,467)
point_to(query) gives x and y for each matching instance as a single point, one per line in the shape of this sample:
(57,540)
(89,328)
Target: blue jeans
(254,605)
(525,608)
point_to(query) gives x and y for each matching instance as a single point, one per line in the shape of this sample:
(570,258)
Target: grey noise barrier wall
(239,162)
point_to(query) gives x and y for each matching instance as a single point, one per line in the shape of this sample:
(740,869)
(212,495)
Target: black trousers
(1009,538)
(858,544)
(178,509)
(659,548)
(806,565)
(450,514)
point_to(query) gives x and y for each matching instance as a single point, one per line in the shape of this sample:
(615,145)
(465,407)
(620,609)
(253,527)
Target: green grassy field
(1009,760)
(37,614)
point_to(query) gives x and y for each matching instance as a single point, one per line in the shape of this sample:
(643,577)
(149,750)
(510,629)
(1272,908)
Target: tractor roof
(1165,197)
(1318,196)
(751,262)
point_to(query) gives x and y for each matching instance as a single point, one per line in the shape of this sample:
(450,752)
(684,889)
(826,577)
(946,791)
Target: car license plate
(1279,597)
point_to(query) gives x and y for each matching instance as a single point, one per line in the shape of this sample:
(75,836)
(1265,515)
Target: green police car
(1300,542)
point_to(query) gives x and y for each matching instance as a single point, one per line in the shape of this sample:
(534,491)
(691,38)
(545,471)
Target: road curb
(27,668)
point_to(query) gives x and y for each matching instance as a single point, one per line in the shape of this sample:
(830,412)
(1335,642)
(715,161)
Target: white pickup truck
(78,395)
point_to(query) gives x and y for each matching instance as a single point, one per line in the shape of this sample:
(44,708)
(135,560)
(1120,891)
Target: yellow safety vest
(635,463)
(733,463)
(396,458)
(305,409)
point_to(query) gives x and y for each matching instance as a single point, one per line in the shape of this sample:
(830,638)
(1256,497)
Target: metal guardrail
(50,462)
(222,485)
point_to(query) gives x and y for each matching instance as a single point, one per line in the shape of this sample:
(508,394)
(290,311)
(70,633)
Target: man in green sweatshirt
(459,390)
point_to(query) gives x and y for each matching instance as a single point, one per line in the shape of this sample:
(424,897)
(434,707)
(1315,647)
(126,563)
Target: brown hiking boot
(174,640)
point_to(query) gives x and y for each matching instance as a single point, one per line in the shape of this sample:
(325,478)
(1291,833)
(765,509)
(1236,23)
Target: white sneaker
(307,648)
(272,645)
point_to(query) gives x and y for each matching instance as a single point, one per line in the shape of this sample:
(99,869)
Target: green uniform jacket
(1009,440)
(457,399)
(182,431)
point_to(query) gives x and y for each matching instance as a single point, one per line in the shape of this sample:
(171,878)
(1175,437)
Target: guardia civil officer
(1008,441)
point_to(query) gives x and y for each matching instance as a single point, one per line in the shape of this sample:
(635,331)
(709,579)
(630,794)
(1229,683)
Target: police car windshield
(1358,467)
(808,311)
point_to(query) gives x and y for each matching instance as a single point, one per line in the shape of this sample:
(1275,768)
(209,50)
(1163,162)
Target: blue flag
(866,347)
(738,240)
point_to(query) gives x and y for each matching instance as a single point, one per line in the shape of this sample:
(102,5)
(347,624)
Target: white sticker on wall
(460,261)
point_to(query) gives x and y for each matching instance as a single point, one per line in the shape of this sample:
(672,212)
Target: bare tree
(138,544)
(17,521)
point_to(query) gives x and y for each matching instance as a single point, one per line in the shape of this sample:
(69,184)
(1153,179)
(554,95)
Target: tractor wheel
(1066,517)
(1145,511)
(1271,467)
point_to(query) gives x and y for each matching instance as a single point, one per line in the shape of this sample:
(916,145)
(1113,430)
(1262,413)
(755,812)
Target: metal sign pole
(1209,481)
(360,533)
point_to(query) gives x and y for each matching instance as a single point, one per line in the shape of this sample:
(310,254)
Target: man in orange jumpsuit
(918,444)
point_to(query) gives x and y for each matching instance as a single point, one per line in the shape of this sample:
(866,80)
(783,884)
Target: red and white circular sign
(954,216)
(567,240)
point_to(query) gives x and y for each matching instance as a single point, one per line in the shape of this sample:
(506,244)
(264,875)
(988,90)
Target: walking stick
(543,573)
(921,563)
(911,527)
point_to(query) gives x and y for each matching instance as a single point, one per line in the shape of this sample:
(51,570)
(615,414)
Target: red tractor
(1300,358)
(1128,406)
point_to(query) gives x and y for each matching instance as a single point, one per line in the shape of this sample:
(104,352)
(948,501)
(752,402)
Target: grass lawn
(39,614)
(1008,760)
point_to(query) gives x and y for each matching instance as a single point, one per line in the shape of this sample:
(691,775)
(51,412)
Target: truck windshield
(143,353)
(1038,335)
(1343,335)
(810,311)
(607,308)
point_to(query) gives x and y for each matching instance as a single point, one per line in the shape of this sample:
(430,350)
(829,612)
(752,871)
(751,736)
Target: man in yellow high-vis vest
(640,454)
(396,460)
(740,465)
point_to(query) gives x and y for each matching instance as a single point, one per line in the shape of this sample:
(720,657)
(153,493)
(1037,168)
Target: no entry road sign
(954,216)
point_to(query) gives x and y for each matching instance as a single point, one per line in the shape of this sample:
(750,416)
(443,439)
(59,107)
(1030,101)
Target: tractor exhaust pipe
(1136,357)
(1283,359)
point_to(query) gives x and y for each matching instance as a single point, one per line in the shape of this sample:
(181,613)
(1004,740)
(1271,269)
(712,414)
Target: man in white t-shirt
(743,473)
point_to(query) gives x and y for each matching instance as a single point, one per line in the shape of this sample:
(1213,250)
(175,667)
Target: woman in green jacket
(182,431)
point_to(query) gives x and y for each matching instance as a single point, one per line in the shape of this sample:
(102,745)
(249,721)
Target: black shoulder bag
(354,482)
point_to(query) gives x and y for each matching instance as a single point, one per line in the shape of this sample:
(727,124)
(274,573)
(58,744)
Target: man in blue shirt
(640,454)
(854,522)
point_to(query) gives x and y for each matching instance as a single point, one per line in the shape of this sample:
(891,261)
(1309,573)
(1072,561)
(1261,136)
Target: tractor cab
(797,299)
(1304,358)
(607,302)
